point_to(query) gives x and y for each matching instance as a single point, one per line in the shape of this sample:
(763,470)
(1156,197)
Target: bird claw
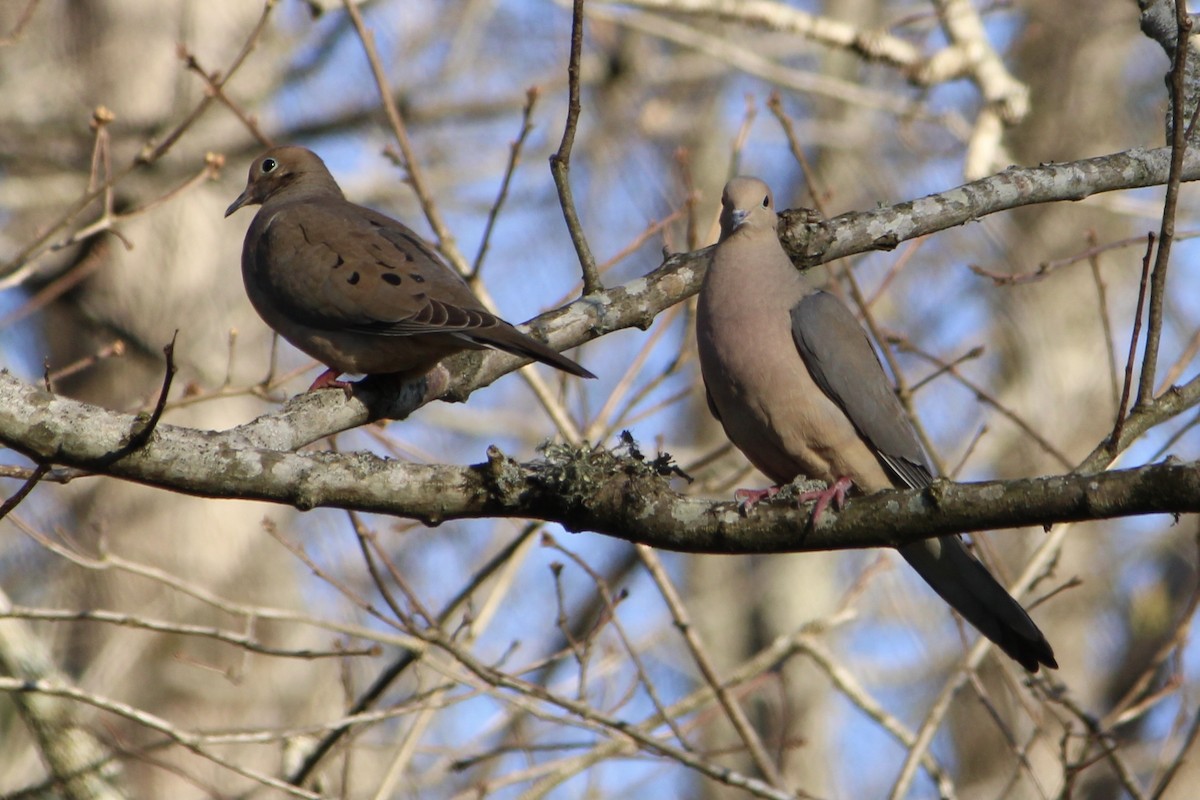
(328,380)
(835,493)
(747,498)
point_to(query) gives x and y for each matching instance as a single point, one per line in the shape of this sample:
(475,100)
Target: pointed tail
(503,336)
(964,583)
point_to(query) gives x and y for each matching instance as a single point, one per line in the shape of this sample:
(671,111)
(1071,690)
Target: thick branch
(581,489)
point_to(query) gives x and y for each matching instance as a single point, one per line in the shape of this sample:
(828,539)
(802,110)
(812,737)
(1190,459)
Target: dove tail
(510,340)
(964,583)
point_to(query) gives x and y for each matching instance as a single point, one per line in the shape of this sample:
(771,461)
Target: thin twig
(514,158)
(1110,344)
(987,398)
(1114,438)
(733,710)
(214,86)
(152,152)
(18,269)
(242,641)
(409,162)
(398,667)
(187,739)
(1046,267)
(1158,279)
(560,162)
(610,606)
(15,499)
(18,29)
(811,183)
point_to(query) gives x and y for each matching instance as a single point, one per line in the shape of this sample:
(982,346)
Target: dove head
(747,203)
(285,171)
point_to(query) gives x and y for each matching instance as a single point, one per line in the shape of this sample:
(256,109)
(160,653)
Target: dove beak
(242,199)
(737,217)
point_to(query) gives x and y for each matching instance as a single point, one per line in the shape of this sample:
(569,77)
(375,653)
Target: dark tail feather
(511,340)
(964,583)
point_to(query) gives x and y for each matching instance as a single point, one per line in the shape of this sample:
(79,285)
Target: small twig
(988,399)
(610,606)
(1108,747)
(1181,363)
(957,469)
(102,157)
(1105,324)
(1119,714)
(152,152)
(18,270)
(1158,279)
(690,199)
(114,350)
(182,629)
(811,184)
(514,158)
(651,230)
(1186,747)
(739,139)
(143,425)
(948,367)
(897,266)
(12,502)
(62,475)
(186,739)
(140,437)
(1114,439)
(398,667)
(733,710)
(608,419)
(408,160)
(323,574)
(1046,267)
(580,647)
(18,30)
(365,540)
(215,88)
(560,162)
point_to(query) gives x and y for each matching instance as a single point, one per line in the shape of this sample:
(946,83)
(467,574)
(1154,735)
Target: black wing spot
(416,276)
(353,279)
(391,277)
(339,262)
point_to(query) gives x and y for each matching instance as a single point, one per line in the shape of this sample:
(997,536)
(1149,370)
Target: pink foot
(748,497)
(835,493)
(328,380)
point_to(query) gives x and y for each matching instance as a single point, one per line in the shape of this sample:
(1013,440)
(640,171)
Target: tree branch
(581,489)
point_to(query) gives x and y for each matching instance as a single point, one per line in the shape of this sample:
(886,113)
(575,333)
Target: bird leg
(329,380)
(834,493)
(746,498)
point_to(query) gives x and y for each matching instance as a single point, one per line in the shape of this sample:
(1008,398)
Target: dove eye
(767,201)
(269,165)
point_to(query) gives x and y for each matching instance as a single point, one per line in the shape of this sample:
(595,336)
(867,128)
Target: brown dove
(357,290)
(799,390)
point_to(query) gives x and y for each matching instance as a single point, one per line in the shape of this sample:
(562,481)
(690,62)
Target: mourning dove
(799,390)
(356,290)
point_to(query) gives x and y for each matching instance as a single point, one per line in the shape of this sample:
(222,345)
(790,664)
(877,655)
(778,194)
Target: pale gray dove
(357,290)
(798,388)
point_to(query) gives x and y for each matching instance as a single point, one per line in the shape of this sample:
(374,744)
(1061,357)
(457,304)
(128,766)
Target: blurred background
(675,100)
